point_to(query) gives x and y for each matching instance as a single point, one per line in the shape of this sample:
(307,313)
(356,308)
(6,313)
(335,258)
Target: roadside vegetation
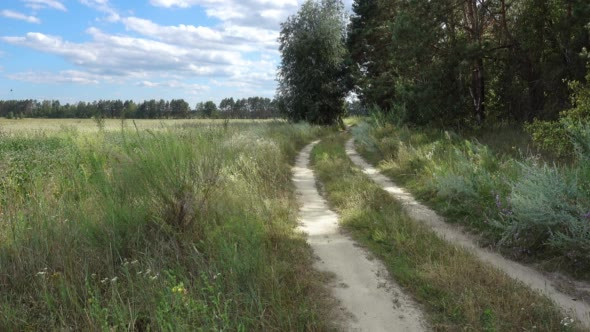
(532,206)
(189,226)
(457,291)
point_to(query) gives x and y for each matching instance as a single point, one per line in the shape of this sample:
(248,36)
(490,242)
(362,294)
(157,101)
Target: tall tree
(312,76)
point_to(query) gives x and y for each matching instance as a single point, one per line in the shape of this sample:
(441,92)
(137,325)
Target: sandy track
(417,211)
(368,299)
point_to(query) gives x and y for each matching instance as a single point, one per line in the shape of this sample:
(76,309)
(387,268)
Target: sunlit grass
(458,292)
(526,203)
(191,226)
(90,125)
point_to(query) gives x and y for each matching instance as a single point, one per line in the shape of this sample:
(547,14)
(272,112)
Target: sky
(85,50)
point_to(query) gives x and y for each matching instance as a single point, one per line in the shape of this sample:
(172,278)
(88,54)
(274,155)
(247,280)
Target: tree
(208,109)
(179,108)
(227,106)
(312,75)
(465,62)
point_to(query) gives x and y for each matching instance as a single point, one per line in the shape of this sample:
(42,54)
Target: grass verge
(457,291)
(530,208)
(190,227)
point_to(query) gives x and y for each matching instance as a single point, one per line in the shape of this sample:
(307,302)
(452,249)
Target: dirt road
(417,211)
(368,299)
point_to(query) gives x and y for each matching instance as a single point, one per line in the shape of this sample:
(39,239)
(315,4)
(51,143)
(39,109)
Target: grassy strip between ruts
(187,228)
(457,291)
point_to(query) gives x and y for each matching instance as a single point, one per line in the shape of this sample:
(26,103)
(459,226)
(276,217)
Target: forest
(459,64)
(475,62)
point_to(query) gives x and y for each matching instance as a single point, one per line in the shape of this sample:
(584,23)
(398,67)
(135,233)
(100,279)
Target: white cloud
(240,53)
(66,76)
(19,16)
(105,7)
(235,38)
(42,4)
(266,14)
(174,85)
(126,56)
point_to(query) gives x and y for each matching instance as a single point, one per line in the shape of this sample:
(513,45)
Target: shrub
(519,203)
(561,136)
(549,209)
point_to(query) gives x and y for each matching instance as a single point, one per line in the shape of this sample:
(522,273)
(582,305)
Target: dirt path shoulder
(531,277)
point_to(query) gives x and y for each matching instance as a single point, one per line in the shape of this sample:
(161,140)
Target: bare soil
(368,300)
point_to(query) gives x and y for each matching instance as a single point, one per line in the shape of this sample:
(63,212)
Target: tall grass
(457,291)
(180,229)
(530,207)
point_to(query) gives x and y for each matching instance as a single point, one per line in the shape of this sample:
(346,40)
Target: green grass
(457,291)
(529,205)
(188,227)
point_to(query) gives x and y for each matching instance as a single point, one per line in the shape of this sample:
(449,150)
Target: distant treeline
(247,108)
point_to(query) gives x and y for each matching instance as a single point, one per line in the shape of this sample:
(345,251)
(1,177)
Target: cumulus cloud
(42,4)
(19,16)
(121,55)
(259,13)
(239,53)
(266,14)
(235,38)
(116,59)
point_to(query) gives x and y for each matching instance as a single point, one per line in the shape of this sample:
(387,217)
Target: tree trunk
(478,90)
(477,79)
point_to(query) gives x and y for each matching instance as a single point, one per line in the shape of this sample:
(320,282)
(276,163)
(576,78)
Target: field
(91,125)
(176,224)
(135,229)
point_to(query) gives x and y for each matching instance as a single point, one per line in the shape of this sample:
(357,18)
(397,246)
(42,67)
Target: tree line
(246,108)
(443,62)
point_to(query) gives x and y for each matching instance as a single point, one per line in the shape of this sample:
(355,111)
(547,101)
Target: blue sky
(83,50)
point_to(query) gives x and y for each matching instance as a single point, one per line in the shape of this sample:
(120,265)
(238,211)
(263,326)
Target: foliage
(250,108)
(207,109)
(460,62)
(532,208)
(549,210)
(155,230)
(455,289)
(565,137)
(312,74)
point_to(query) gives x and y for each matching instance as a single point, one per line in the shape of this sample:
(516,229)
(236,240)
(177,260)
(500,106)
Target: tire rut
(368,299)
(529,276)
